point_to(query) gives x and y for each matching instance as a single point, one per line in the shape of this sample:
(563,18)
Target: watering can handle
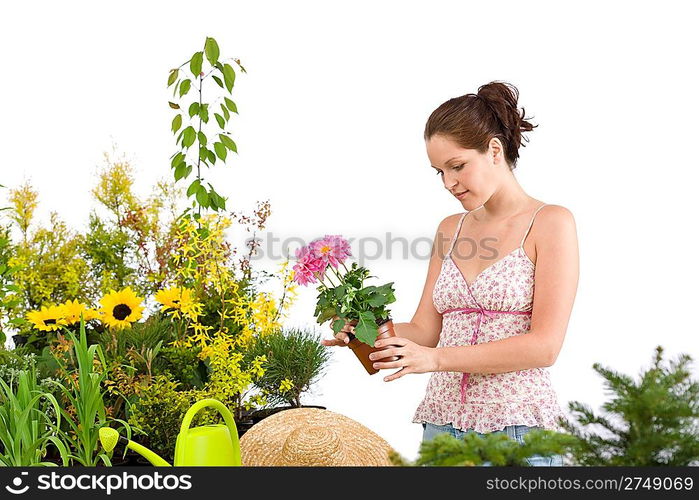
(225,413)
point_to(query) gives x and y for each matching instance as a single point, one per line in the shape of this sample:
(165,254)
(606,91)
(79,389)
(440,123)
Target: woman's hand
(341,337)
(414,358)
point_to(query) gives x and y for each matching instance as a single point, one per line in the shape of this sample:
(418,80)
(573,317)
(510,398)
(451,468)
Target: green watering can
(208,445)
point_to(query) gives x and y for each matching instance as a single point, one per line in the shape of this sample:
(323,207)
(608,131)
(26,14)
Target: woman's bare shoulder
(555,214)
(445,231)
(553,221)
(448,224)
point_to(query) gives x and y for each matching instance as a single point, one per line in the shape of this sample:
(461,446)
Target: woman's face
(463,170)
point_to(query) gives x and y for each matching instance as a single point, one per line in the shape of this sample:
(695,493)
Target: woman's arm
(555,286)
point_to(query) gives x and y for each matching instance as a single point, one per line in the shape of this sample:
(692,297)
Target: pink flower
(332,249)
(307,266)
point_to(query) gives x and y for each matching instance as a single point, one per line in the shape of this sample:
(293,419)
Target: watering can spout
(151,456)
(110,437)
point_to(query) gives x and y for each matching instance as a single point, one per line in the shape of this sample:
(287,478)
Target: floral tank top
(496,305)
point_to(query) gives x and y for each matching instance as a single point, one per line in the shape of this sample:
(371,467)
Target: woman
(500,283)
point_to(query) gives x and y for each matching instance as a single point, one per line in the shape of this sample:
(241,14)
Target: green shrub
(26,428)
(294,355)
(652,422)
(14,362)
(183,364)
(498,449)
(159,412)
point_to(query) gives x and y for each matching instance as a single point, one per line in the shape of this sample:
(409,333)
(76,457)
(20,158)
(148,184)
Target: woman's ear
(496,151)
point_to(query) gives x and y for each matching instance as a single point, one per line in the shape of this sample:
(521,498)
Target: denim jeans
(515,432)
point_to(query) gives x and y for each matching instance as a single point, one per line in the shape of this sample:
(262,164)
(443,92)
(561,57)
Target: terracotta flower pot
(362,350)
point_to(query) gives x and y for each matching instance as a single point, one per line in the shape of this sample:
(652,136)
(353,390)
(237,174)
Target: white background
(332,111)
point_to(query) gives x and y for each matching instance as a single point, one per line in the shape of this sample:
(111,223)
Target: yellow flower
(48,319)
(179,300)
(120,309)
(73,308)
(286,385)
(174,297)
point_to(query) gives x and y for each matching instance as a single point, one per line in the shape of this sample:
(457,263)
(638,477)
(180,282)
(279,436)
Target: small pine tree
(652,422)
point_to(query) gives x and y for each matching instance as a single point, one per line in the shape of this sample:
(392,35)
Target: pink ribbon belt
(481,313)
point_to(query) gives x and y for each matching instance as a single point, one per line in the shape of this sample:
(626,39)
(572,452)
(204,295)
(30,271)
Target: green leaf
(193,188)
(221,121)
(180,170)
(220,201)
(176,123)
(226,114)
(376,300)
(228,76)
(204,113)
(221,150)
(195,63)
(180,161)
(193,109)
(337,325)
(203,197)
(211,49)
(231,105)
(173,105)
(202,138)
(189,136)
(185,86)
(217,80)
(366,329)
(211,156)
(228,142)
(212,201)
(173,77)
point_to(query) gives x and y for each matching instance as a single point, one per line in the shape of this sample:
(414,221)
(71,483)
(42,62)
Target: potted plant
(295,359)
(348,301)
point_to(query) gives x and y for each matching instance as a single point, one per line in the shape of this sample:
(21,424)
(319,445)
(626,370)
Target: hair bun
(474,119)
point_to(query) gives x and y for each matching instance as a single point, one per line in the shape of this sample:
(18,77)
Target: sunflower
(120,309)
(48,319)
(73,308)
(178,299)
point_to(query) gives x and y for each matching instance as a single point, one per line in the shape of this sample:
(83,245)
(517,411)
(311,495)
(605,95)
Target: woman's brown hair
(472,120)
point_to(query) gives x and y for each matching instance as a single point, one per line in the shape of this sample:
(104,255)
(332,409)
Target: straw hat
(312,437)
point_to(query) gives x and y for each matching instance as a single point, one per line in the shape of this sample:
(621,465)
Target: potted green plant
(295,359)
(349,301)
